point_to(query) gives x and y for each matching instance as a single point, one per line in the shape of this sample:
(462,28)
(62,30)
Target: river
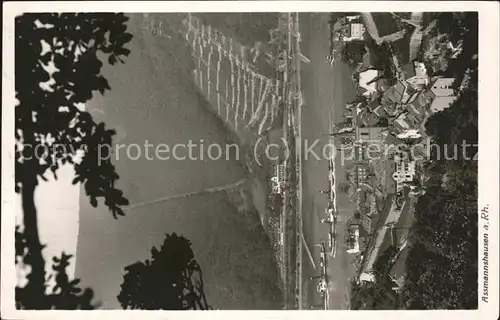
(326,90)
(153,101)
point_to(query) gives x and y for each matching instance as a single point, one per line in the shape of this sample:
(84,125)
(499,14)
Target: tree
(442,257)
(352,52)
(57,69)
(64,294)
(372,296)
(171,280)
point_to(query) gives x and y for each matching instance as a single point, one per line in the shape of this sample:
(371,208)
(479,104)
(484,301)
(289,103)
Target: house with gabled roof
(367,81)
(442,87)
(398,93)
(354,31)
(441,103)
(401,123)
(415,73)
(442,93)
(380,111)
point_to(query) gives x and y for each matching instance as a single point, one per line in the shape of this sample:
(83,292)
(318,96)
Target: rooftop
(401,121)
(392,140)
(442,87)
(395,93)
(366,77)
(380,111)
(441,103)
(390,184)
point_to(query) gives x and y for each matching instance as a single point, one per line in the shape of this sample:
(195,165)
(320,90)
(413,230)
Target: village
(400,79)
(384,132)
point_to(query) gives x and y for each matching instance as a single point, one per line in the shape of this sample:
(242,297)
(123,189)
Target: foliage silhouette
(171,280)
(65,294)
(50,128)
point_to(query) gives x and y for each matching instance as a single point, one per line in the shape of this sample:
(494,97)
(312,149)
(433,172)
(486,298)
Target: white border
(488,136)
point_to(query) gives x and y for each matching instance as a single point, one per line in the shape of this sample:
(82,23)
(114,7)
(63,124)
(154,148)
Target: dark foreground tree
(171,280)
(57,69)
(63,293)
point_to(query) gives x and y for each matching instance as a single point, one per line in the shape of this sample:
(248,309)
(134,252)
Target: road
(325,91)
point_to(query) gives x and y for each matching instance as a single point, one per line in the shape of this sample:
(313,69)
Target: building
(442,93)
(351,106)
(380,111)
(441,103)
(360,153)
(442,87)
(415,73)
(392,141)
(349,116)
(278,179)
(372,203)
(418,103)
(361,173)
(351,18)
(365,134)
(410,134)
(353,239)
(369,222)
(405,170)
(367,277)
(366,81)
(406,121)
(400,92)
(354,31)
(367,118)
(401,124)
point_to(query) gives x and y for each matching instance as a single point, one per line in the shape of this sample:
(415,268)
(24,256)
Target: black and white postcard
(280,156)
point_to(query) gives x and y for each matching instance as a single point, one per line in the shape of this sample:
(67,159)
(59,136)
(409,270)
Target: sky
(58,206)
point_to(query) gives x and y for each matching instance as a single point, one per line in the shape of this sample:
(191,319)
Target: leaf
(126,37)
(123,51)
(103,84)
(112,59)
(93,201)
